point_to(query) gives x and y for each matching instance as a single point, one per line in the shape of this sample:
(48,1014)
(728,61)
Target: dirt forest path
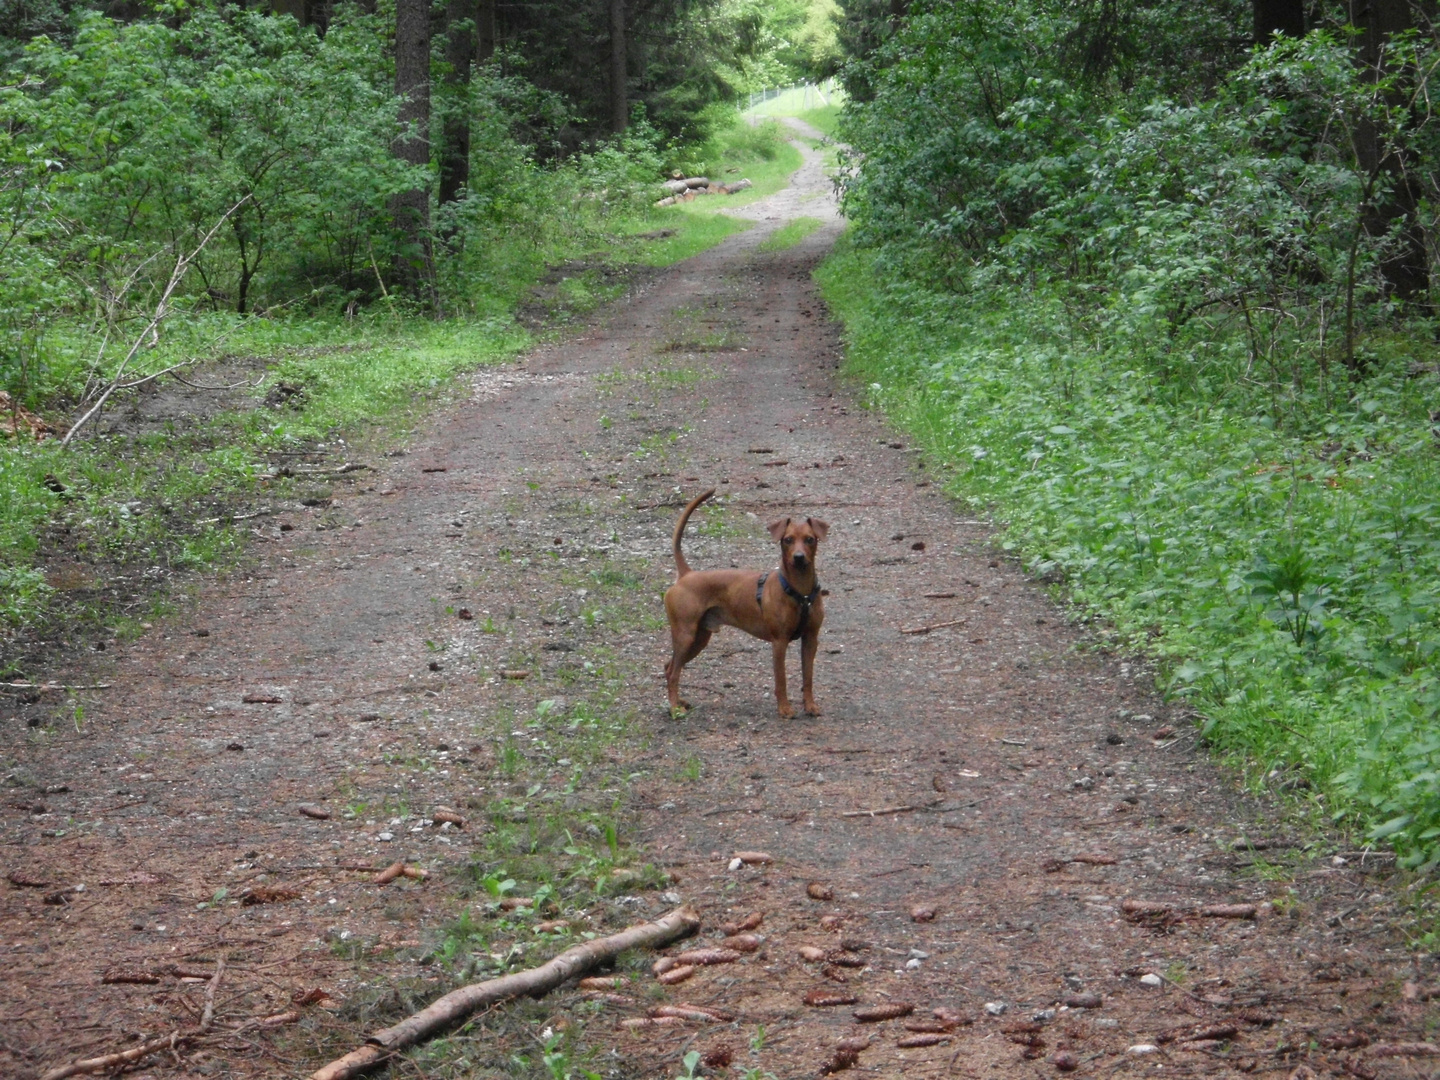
(960,831)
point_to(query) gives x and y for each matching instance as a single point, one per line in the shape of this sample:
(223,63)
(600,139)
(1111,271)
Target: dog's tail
(681,566)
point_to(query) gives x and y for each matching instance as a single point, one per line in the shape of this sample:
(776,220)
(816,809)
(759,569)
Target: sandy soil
(973,808)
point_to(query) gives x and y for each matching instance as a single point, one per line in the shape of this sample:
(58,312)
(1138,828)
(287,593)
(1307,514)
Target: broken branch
(123,1057)
(162,311)
(457,1005)
(933,626)
(880,811)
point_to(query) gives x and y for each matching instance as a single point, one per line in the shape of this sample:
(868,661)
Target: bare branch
(162,310)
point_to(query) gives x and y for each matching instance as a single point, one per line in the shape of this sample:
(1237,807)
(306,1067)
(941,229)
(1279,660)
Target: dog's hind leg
(686,648)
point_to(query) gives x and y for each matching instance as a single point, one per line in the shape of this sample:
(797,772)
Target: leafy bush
(1176,331)
(1289,581)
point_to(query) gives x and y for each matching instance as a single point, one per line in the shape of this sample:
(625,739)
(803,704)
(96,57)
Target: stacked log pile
(686,189)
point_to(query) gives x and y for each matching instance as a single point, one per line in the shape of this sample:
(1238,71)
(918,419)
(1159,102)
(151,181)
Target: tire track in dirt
(1014,744)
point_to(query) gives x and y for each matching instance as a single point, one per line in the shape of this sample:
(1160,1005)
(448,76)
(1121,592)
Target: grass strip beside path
(1284,576)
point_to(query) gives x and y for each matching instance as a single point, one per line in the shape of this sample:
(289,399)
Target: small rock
(1065,1061)
(912,964)
(922,913)
(1082,1001)
(1044,1016)
(1151,979)
(817,890)
(1141,1049)
(385,837)
(1105,1022)
(995,1008)
(235,746)
(310,810)
(1085,783)
(735,864)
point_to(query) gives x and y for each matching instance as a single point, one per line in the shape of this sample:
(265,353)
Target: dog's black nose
(799,558)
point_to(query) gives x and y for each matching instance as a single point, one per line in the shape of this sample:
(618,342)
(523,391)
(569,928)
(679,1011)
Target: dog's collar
(794,594)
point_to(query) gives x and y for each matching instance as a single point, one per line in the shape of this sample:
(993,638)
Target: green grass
(797,102)
(790,234)
(1282,568)
(826,118)
(694,232)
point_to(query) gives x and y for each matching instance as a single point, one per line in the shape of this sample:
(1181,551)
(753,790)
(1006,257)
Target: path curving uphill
(992,818)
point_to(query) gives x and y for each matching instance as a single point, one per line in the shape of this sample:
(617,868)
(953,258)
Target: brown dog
(776,606)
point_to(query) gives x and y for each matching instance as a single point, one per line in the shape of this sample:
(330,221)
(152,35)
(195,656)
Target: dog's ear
(820,527)
(777,528)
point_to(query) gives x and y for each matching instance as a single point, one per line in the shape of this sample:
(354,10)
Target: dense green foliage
(1164,316)
(255,155)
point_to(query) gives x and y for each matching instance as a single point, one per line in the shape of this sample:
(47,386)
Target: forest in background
(351,202)
(1158,283)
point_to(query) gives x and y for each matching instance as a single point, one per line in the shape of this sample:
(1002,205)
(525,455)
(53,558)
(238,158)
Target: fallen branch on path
(880,811)
(53,687)
(933,626)
(173,1041)
(459,1004)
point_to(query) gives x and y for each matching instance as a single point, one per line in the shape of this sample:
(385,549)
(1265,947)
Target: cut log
(459,1004)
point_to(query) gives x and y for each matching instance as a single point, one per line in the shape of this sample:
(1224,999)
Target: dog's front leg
(782,699)
(809,645)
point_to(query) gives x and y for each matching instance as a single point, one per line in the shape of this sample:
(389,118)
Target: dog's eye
(788,540)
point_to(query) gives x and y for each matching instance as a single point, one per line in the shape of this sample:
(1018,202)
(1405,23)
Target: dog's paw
(786,711)
(811,709)
(677,711)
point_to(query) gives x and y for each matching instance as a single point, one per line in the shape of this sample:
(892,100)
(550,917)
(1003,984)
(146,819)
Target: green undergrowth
(1276,550)
(162,498)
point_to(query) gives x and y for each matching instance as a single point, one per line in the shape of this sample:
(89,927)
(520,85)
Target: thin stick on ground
(459,1004)
(124,1057)
(933,626)
(173,1041)
(208,1016)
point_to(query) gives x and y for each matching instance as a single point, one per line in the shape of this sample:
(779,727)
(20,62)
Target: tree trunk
(295,8)
(1278,17)
(619,105)
(1406,271)
(486,37)
(459,54)
(412,85)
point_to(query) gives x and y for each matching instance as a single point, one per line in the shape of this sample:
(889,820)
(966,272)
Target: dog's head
(798,538)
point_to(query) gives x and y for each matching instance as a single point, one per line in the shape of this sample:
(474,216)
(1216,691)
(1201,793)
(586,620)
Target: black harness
(794,594)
